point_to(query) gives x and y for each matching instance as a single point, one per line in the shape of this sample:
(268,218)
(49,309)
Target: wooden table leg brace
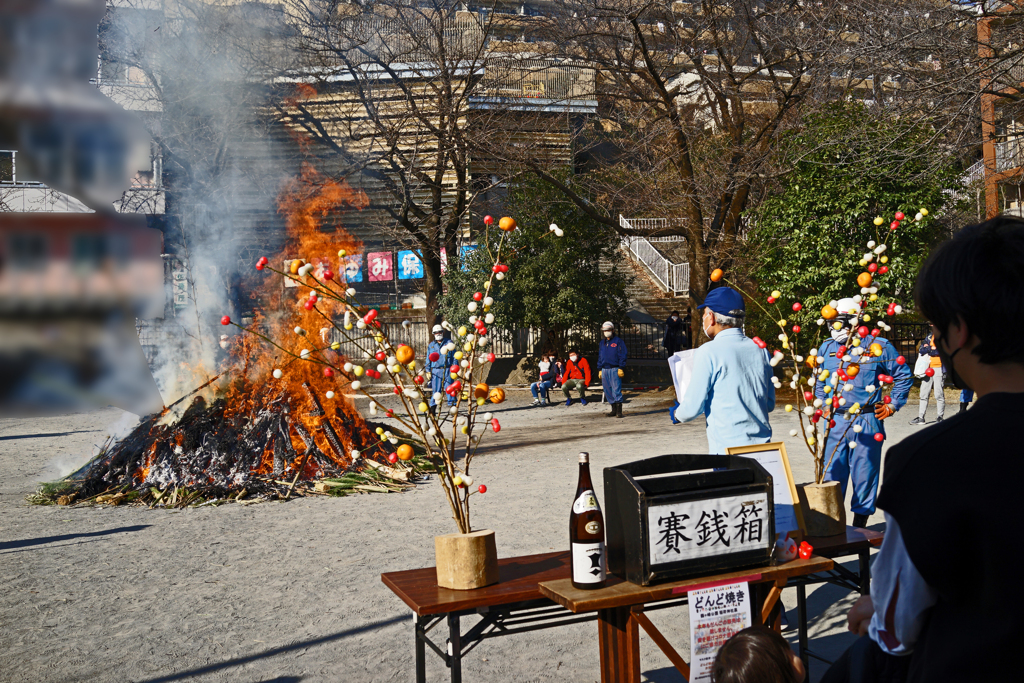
(637,613)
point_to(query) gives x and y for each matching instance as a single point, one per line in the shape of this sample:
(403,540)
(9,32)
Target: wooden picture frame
(763,449)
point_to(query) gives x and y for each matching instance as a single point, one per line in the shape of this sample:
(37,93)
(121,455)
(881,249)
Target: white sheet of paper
(681,366)
(716,614)
(785,506)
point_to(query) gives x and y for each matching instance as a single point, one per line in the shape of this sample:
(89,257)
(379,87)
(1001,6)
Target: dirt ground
(291,591)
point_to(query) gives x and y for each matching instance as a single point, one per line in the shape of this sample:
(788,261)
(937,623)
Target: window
(28,252)
(88,252)
(9,169)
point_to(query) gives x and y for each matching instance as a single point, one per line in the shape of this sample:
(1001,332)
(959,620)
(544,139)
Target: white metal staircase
(671,277)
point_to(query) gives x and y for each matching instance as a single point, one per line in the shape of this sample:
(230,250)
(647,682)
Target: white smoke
(64,464)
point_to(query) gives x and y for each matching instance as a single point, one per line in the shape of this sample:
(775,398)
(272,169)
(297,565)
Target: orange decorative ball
(496,395)
(864,279)
(405,354)
(828,313)
(481,390)
(405,452)
(717,274)
(852,370)
(507,224)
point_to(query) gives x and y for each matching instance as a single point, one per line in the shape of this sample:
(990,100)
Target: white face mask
(608,334)
(573,358)
(706,329)
(438,337)
(840,335)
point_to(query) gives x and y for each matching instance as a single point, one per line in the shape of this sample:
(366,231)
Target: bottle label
(588,562)
(586,501)
(593,527)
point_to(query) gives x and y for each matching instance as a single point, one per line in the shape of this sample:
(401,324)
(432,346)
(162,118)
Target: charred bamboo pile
(211,455)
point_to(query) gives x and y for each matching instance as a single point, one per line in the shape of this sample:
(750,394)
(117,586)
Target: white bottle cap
(585,457)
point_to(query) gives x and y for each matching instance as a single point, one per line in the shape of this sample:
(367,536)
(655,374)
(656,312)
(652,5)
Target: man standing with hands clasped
(611,359)
(731,383)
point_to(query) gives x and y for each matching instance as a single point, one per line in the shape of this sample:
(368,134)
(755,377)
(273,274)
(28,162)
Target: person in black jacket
(675,335)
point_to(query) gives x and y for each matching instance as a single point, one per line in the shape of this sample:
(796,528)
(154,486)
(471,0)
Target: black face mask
(947,362)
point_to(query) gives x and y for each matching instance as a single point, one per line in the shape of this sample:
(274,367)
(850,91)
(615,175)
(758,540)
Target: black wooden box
(677,516)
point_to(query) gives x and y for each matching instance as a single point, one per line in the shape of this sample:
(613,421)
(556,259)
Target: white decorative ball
(278,374)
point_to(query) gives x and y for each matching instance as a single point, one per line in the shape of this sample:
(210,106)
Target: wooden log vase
(823,507)
(466,561)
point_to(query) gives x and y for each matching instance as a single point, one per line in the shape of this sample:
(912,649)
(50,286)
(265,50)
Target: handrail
(670,276)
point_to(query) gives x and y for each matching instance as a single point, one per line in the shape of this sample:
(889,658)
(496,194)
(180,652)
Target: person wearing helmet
(440,369)
(731,384)
(852,447)
(611,358)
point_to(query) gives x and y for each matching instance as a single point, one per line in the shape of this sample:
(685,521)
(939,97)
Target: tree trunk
(700,272)
(431,284)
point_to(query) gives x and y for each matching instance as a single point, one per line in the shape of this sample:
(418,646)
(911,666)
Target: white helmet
(438,329)
(608,325)
(848,306)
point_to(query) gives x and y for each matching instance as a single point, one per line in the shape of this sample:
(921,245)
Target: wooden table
(854,542)
(513,605)
(621,607)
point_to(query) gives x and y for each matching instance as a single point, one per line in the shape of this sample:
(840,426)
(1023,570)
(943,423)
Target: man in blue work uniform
(440,370)
(861,461)
(731,384)
(611,358)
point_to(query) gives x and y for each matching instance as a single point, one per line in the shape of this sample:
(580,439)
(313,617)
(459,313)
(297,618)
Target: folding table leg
(421,648)
(801,612)
(454,648)
(865,571)
(619,638)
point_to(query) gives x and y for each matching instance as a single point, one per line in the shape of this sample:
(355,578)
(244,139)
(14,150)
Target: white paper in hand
(681,366)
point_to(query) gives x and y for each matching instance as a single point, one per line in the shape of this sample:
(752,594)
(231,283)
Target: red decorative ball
(259,266)
(930,372)
(434,357)
(872,267)
(815,418)
(370,315)
(796,329)
(899,215)
(490,358)
(887,400)
(900,360)
(496,268)
(841,351)
(495,425)
(397,390)
(328,372)
(831,424)
(226,320)
(454,368)
(482,488)
(875,332)
(883,270)
(771,299)
(392,458)
(797,306)
(894,225)
(309,304)
(380,356)
(862,331)
(819,412)
(328,275)
(418,379)
(504,267)
(482,330)
(478,296)
(488,220)
(879,437)
(808,396)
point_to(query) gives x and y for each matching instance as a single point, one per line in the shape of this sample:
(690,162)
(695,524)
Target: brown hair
(754,655)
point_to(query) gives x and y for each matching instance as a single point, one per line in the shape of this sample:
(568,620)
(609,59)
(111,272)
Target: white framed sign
(703,528)
(772,457)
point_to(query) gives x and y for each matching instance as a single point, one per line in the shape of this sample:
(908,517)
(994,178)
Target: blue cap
(724,300)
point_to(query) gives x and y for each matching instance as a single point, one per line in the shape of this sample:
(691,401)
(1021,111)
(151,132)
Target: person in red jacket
(577,376)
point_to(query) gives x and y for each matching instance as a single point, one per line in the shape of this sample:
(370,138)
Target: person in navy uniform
(861,461)
(440,373)
(611,358)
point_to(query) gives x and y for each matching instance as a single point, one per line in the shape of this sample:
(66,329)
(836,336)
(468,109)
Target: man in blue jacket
(731,384)
(854,451)
(611,359)
(439,370)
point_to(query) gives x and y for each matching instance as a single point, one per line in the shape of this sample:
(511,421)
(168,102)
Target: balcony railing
(538,79)
(1010,154)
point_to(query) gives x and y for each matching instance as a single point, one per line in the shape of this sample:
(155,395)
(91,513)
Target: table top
(519,576)
(619,593)
(517,581)
(853,541)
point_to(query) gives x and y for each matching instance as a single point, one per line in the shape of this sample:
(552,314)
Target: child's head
(757,655)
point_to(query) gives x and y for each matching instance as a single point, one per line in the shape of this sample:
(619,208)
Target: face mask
(608,334)
(438,337)
(947,362)
(573,358)
(707,329)
(840,335)
(675,318)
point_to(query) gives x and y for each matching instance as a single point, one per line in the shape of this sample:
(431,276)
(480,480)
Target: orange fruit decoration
(716,274)
(496,395)
(812,361)
(864,279)
(828,313)
(405,452)
(852,370)
(876,349)
(404,354)
(507,224)
(481,390)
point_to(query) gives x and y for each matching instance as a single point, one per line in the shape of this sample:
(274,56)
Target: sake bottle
(586,533)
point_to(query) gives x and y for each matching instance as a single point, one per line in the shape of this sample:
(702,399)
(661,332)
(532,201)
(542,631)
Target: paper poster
(444,260)
(703,528)
(681,366)
(410,267)
(771,456)
(378,264)
(716,614)
(465,252)
(354,268)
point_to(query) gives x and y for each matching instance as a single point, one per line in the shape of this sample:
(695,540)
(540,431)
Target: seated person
(548,374)
(757,655)
(576,376)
